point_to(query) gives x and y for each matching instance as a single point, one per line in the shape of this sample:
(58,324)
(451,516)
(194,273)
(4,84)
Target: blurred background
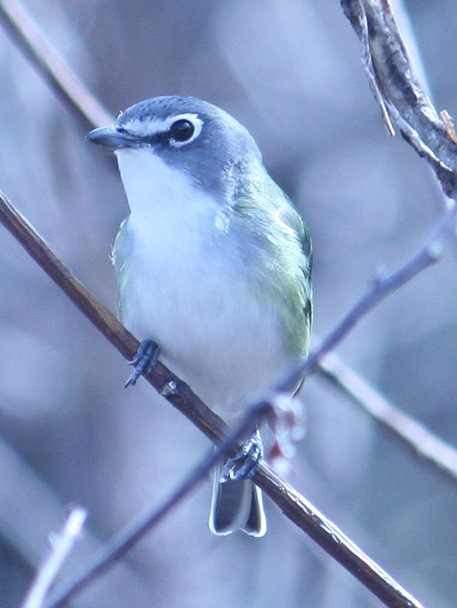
(69,433)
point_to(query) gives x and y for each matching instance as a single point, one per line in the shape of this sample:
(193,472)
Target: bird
(213,269)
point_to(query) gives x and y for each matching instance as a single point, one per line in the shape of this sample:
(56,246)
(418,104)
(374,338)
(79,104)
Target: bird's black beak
(113,137)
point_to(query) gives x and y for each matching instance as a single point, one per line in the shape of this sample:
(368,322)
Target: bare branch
(424,444)
(330,538)
(62,544)
(398,89)
(382,286)
(62,80)
(127,538)
(294,506)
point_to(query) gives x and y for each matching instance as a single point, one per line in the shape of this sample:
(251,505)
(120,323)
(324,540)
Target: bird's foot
(144,361)
(245,463)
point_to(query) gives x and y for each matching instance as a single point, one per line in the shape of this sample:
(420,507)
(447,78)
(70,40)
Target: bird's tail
(237,505)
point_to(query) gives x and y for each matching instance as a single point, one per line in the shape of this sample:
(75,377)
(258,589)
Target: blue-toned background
(291,72)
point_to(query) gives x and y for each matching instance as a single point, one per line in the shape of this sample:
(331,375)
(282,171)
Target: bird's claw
(245,462)
(144,361)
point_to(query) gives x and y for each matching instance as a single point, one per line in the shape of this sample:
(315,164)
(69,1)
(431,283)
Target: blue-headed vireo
(213,265)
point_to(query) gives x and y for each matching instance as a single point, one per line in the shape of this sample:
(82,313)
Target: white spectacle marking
(154,126)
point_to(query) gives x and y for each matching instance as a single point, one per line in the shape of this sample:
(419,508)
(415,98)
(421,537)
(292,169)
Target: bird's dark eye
(182,130)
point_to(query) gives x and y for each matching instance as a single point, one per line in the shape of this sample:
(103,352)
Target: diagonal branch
(62,80)
(384,285)
(427,446)
(294,506)
(62,544)
(300,511)
(398,90)
(179,394)
(126,539)
(162,379)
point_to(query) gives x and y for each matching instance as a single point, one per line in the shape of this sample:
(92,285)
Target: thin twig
(62,80)
(62,544)
(126,539)
(427,446)
(398,89)
(383,285)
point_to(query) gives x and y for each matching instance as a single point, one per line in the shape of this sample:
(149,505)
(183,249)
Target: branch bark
(398,90)
(62,544)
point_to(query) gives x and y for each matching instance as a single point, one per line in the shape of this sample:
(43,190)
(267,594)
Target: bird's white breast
(187,285)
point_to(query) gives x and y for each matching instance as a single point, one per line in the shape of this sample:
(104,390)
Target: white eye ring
(193,119)
(154,126)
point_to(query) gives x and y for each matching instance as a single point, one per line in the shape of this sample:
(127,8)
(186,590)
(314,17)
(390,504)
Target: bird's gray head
(188,134)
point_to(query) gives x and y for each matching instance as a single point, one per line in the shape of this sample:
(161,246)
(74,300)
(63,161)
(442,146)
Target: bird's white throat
(163,198)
